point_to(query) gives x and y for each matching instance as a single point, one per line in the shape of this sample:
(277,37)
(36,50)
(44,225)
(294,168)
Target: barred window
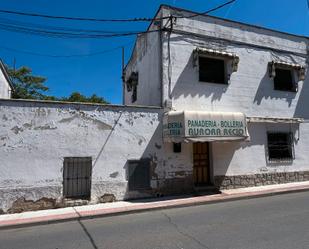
(280,146)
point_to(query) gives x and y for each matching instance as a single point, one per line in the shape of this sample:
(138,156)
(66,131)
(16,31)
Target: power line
(61,32)
(65,56)
(138,19)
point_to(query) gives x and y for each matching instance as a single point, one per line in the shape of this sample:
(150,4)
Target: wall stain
(158,146)
(17,129)
(107,198)
(114,174)
(100,124)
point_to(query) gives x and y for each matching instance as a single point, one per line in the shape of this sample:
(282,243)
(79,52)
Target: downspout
(161,63)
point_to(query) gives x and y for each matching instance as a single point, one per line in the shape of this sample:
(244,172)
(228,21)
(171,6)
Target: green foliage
(28,86)
(77,97)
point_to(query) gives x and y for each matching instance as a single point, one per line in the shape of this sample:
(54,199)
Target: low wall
(36,136)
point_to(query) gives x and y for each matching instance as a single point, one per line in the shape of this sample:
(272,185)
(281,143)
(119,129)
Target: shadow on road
(86,231)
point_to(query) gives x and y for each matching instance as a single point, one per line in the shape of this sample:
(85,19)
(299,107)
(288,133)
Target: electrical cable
(61,32)
(139,19)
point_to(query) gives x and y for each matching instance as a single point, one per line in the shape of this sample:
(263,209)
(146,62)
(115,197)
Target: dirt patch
(22,205)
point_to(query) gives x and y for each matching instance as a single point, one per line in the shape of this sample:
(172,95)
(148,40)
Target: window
(77,177)
(284,80)
(139,174)
(212,70)
(286,75)
(280,146)
(177,147)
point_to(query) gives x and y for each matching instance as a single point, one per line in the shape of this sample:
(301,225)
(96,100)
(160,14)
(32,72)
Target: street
(270,222)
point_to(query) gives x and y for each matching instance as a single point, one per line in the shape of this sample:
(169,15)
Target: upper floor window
(214,66)
(132,83)
(284,80)
(286,75)
(212,70)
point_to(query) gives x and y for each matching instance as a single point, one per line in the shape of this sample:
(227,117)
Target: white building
(6,86)
(242,90)
(208,102)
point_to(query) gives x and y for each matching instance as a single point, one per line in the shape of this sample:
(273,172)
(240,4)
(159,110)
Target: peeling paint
(17,129)
(107,198)
(22,205)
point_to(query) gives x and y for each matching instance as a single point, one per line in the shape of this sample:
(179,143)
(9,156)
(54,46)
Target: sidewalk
(125,207)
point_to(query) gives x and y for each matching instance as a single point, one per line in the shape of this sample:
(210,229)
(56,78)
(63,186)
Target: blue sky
(101,74)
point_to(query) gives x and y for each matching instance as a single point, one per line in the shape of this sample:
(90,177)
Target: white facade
(5,85)
(250,90)
(37,136)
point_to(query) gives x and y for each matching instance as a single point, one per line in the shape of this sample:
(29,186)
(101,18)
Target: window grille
(280,146)
(77,177)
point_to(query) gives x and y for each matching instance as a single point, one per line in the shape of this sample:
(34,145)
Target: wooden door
(201,164)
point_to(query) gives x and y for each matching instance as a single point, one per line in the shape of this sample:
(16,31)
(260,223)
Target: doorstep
(126,207)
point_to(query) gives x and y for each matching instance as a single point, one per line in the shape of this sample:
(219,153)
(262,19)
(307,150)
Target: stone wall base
(243,181)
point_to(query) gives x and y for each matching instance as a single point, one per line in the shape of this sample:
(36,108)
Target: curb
(87,215)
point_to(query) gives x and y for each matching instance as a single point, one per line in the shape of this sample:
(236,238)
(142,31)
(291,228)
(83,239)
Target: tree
(78,97)
(28,86)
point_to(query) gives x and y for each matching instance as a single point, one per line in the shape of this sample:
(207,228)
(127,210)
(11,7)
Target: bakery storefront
(200,128)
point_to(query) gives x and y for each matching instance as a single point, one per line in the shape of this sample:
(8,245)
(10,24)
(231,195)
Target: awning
(201,126)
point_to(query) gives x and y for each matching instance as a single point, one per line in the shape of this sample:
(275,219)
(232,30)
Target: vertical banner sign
(204,126)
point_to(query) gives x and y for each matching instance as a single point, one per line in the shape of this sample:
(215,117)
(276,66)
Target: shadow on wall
(302,110)
(188,85)
(154,154)
(226,151)
(266,90)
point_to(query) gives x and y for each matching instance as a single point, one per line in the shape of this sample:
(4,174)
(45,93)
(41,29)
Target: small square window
(139,174)
(211,70)
(177,147)
(280,146)
(284,80)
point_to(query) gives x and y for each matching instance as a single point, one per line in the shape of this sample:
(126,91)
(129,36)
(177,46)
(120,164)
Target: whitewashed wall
(250,90)
(36,136)
(5,89)
(146,61)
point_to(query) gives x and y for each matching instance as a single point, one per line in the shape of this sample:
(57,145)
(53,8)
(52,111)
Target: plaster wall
(36,136)
(249,90)
(146,61)
(248,158)
(5,89)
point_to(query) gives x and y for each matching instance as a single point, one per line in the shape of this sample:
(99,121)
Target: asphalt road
(280,222)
